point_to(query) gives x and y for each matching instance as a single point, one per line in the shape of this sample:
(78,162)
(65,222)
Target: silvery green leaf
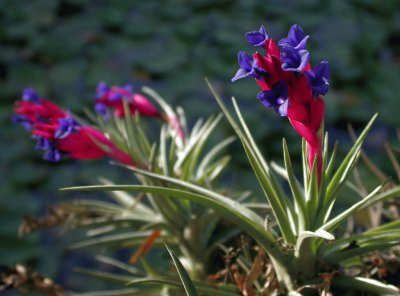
(187,283)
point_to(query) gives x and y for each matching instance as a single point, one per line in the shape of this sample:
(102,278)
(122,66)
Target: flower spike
(112,98)
(58,134)
(289,85)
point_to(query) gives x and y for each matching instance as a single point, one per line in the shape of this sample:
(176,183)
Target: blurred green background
(63,48)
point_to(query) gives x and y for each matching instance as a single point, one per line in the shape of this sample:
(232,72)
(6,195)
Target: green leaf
(370,286)
(294,187)
(214,170)
(111,277)
(243,217)
(163,152)
(119,264)
(128,201)
(306,169)
(311,234)
(122,292)
(211,155)
(358,243)
(338,219)
(226,290)
(169,113)
(342,174)
(386,226)
(331,163)
(273,199)
(391,193)
(199,145)
(183,275)
(312,193)
(283,199)
(120,240)
(281,209)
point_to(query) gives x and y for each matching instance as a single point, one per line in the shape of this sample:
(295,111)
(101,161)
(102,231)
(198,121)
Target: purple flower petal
(52,154)
(67,126)
(267,98)
(282,109)
(101,109)
(318,78)
(296,38)
(294,60)
(248,67)
(30,95)
(245,61)
(42,143)
(101,90)
(275,97)
(128,88)
(257,38)
(115,97)
(23,120)
(241,73)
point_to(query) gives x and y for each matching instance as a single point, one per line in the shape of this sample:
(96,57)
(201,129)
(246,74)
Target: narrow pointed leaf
(122,292)
(283,199)
(279,212)
(311,234)
(243,217)
(294,187)
(211,155)
(312,194)
(119,239)
(119,264)
(226,290)
(338,219)
(185,279)
(338,179)
(370,286)
(359,240)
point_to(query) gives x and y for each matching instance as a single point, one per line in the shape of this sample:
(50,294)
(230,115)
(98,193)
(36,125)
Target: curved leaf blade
(242,216)
(183,275)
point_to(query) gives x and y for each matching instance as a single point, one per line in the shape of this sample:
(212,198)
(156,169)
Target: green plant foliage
(64,47)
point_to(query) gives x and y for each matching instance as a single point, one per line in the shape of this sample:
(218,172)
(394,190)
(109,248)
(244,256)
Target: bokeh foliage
(64,47)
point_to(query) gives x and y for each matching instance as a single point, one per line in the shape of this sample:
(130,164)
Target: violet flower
(248,67)
(318,78)
(296,38)
(277,97)
(257,38)
(30,95)
(294,60)
(67,126)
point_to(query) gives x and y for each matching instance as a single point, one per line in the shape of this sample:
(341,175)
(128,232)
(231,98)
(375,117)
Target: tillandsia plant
(299,249)
(142,221)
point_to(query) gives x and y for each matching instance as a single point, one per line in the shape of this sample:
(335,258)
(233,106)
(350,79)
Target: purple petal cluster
(30,95)
(51,153)
(284,70)
(277,98)
(248,67)
(318,78)
(257,38)
(66,126)
(294,60)
(294,56)
(296,38)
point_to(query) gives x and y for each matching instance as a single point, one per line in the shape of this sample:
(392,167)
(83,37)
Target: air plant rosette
(179,201)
